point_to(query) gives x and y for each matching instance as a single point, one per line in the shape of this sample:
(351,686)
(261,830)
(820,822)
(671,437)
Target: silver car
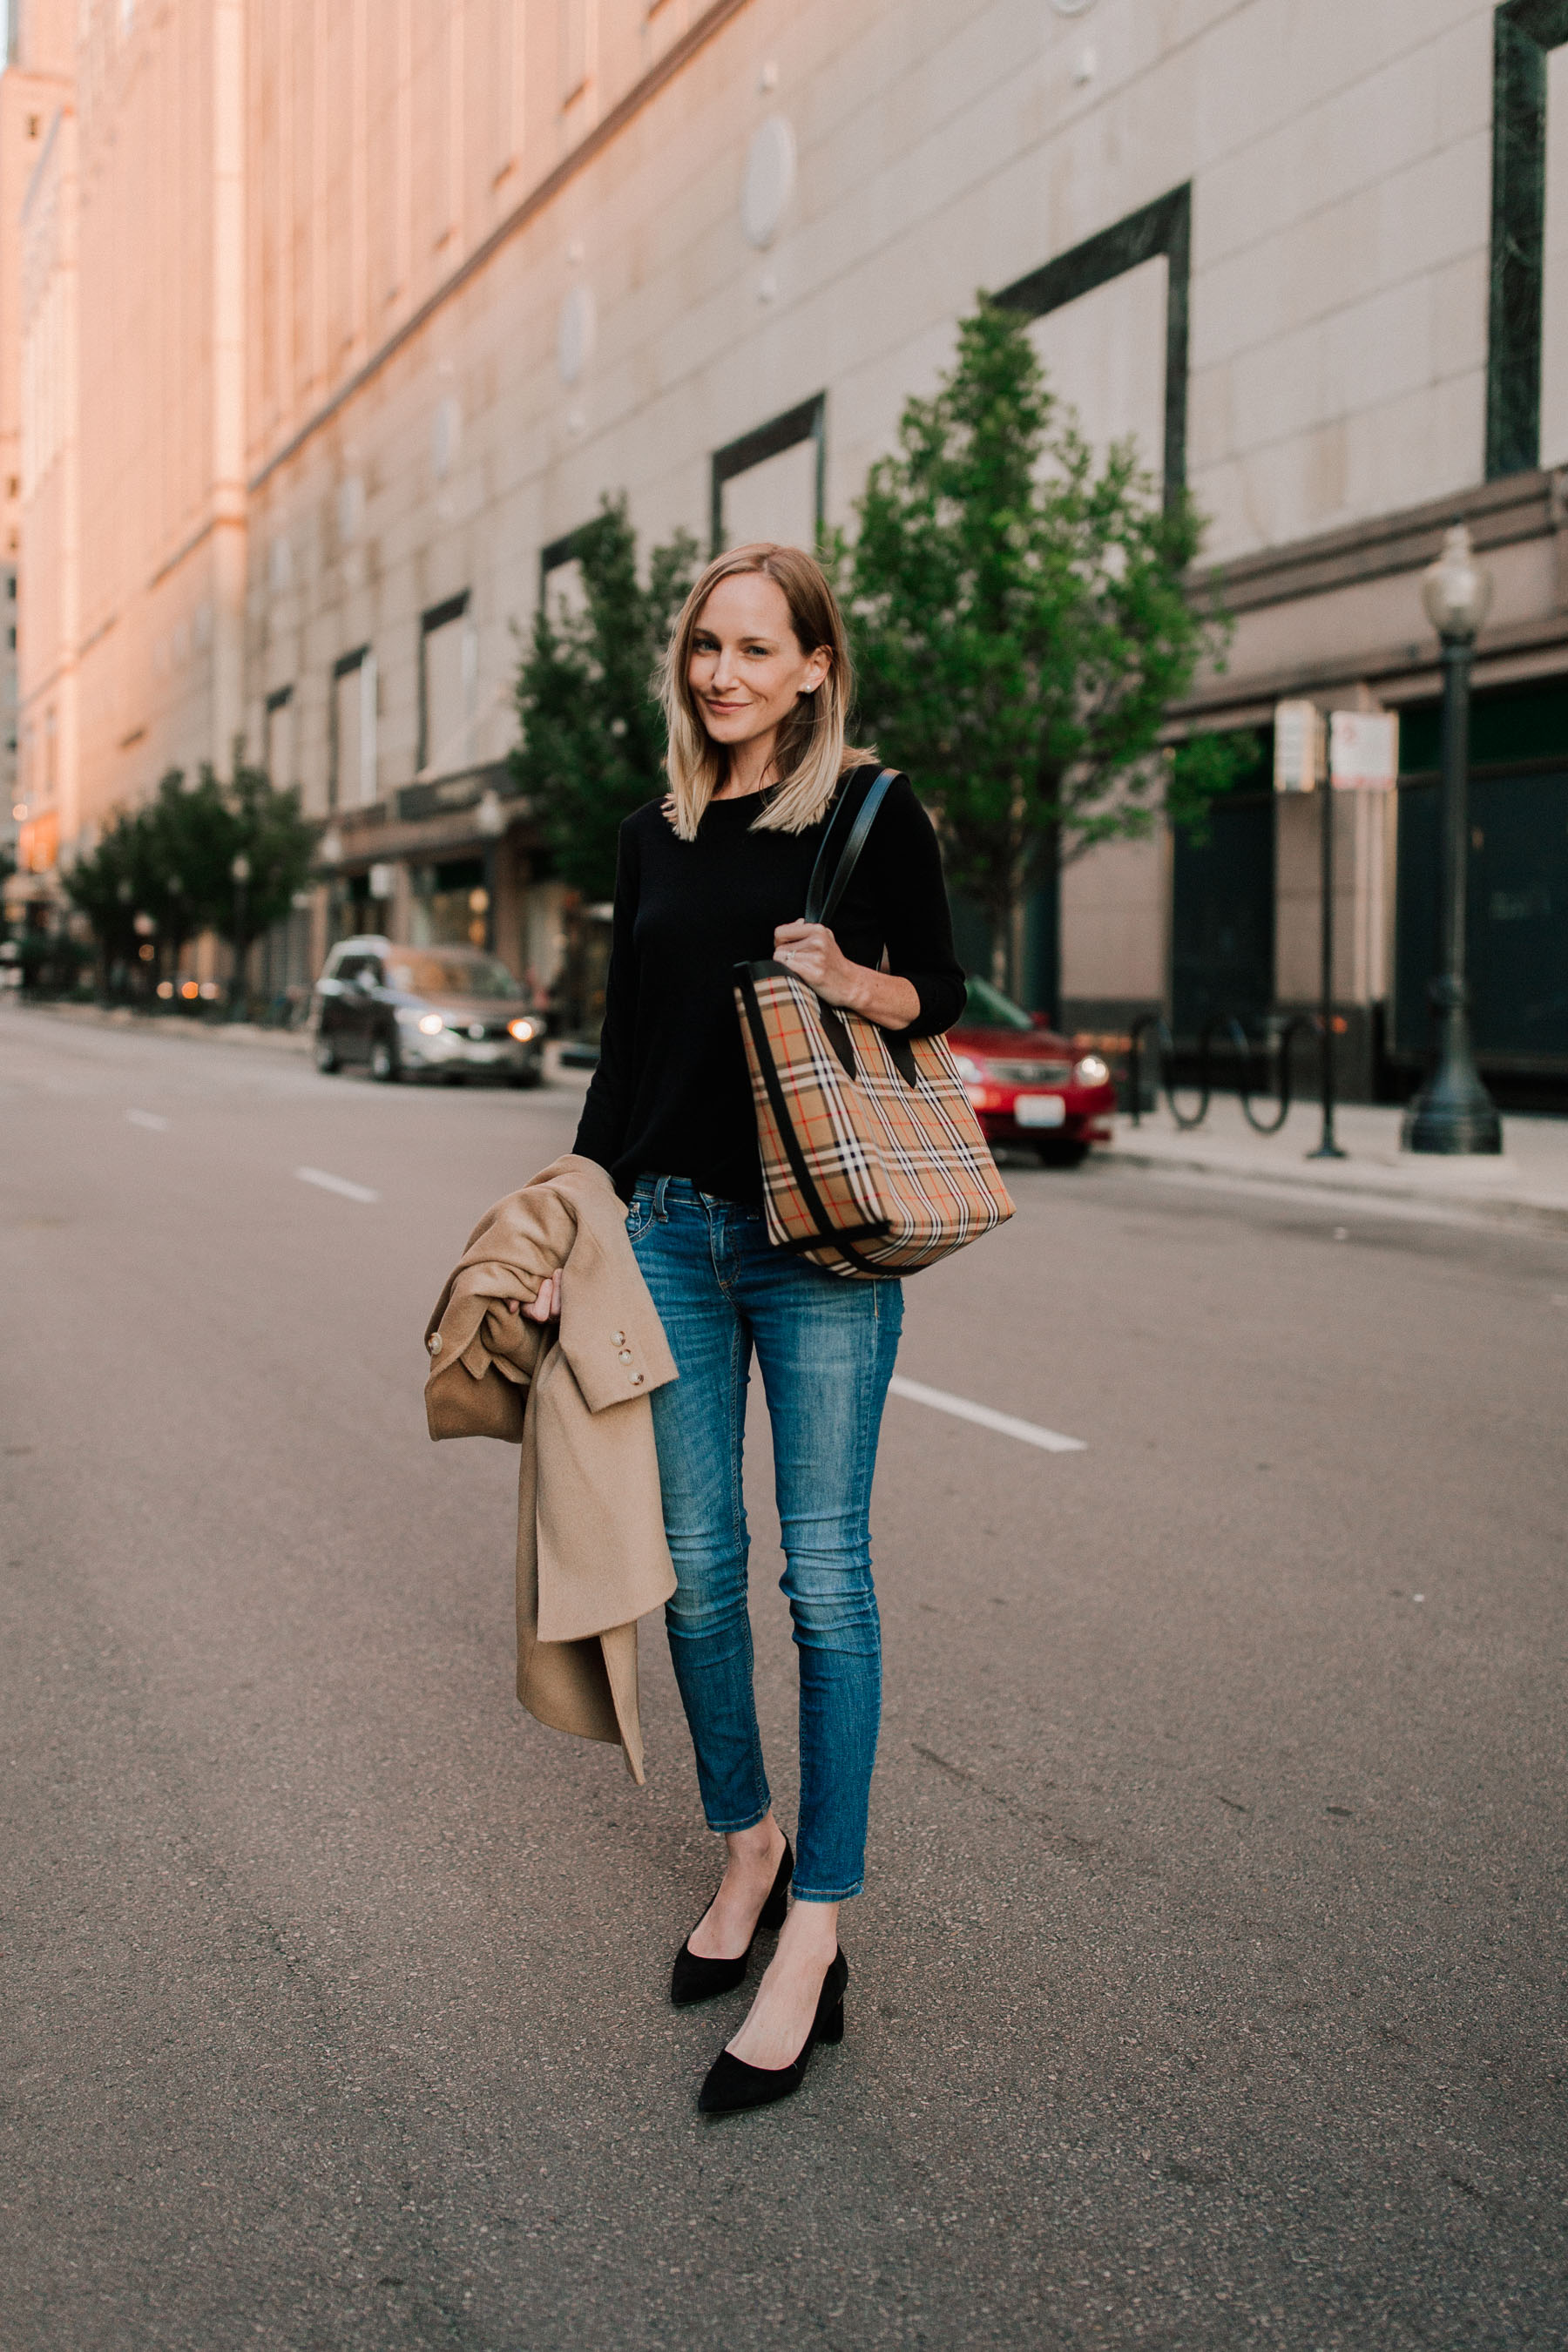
(449,1013)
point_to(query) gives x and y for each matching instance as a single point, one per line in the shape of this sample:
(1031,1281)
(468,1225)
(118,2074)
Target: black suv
(447,1012)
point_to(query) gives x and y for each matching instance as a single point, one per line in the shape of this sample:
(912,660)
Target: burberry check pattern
(863,1174)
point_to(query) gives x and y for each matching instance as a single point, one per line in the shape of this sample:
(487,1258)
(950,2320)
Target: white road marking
(1050,1441)
(148,1119)
(336,1184)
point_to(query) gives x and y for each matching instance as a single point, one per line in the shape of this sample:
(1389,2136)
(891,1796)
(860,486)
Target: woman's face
(746,666)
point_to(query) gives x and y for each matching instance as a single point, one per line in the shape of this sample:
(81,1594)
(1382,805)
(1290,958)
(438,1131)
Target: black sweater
(672,1096)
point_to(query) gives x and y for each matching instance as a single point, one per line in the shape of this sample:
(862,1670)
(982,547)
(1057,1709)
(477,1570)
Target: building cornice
(679,53)
(1503,513)
(1399,674)
(1500,514)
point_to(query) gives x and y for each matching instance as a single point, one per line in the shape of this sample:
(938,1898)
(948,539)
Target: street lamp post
(1453,1112)
(239,873)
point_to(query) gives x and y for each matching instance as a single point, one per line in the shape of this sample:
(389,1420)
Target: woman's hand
(811,952)
(545,1307)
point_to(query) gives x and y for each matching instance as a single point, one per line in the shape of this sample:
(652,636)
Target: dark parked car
(447,1012)
(1027,1085)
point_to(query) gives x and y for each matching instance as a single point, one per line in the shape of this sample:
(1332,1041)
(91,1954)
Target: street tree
(593,739)
(267,828)
(1022,614)
(172,860)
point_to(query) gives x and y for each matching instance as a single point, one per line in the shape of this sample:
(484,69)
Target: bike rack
(1167,1083)
(1277,1046)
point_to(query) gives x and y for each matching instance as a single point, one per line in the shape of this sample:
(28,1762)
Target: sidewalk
(1528,1183)
(172,1024)
(240,1033)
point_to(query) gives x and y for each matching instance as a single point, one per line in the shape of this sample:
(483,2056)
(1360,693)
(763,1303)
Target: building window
(769,483)
(353,765)
(1162,229)
(279,747)
(576,43)
(448,665)
(1526,333)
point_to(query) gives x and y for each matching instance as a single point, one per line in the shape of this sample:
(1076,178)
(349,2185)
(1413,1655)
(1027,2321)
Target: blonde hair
(812,753)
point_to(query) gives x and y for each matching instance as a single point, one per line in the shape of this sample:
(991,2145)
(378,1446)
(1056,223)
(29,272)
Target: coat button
(617,1339)
(637,1380)
(625,1355)
(433,1343)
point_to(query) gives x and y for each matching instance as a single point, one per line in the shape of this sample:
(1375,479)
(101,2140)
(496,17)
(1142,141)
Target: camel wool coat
(591,1553)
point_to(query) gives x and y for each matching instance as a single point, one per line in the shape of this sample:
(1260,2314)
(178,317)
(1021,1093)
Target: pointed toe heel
(694,1979)
(732,2087)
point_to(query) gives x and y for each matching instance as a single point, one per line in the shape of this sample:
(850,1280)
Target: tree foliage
(1023,616)
(172,860)
(592,741)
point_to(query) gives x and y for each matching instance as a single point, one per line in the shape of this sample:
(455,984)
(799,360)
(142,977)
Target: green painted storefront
(1517,903)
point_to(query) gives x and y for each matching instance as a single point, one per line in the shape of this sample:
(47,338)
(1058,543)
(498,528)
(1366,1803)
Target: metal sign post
(1357,749)
(1328,1148)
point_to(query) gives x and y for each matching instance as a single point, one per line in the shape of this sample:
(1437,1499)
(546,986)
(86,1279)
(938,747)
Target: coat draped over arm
(590,1553)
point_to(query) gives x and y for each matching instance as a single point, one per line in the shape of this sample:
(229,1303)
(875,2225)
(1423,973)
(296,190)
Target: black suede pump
(733,2085)
(693,1978)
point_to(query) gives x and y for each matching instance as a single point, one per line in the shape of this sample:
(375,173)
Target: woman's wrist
(881,997)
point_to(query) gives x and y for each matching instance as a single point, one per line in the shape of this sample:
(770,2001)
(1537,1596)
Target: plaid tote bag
(873,1163)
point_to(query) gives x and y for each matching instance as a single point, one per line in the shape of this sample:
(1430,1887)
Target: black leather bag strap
(824,894)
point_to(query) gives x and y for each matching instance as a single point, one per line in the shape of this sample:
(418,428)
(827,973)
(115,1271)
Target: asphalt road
(1208,1987)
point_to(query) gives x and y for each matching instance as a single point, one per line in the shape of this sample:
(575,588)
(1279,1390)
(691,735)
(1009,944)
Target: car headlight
(522,1030)
(431,1025)
(1092,1071)
(968,1067)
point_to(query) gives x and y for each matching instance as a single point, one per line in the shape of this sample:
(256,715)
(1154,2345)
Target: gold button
(433,1343)
(617,1339)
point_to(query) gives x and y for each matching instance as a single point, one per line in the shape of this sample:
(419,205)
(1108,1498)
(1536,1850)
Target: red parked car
(1028,1086)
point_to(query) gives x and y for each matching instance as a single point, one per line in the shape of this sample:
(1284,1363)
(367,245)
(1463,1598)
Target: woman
(757,690)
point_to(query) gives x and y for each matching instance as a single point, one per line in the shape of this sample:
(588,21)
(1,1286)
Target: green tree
(103,886)
(174,859)
(267,827)
(1022,616)
(592,737)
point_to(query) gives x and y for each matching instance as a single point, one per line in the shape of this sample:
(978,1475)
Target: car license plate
(1039,1110)
(486,1053)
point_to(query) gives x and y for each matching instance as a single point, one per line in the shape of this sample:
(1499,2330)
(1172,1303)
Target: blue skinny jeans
(825,1349)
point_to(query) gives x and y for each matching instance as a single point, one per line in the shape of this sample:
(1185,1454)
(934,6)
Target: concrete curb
(1364,1181)
(190,1031)
(172,1024)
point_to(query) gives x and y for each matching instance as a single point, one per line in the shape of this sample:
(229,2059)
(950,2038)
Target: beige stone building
(337,319)
(33,88)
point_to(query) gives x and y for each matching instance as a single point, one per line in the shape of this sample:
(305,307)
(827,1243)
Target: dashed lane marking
(339,1184)
(1029,1433)
(149,1119)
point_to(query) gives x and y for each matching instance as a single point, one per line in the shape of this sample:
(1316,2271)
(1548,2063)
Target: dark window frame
(1523,31)
(341,668)
(806,421)
(1163,226)
(557,553)
(438,616)
(280,698)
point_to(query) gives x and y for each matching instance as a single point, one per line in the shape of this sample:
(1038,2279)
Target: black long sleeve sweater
(672,1096)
